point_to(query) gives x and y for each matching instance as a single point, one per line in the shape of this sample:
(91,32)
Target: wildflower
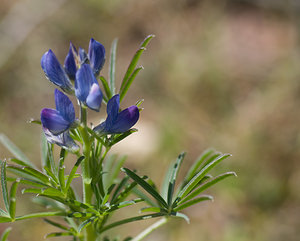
(62,118)
(61,76)
(118,122)
(87,89)
(63,140)
(96,56)
(55,72)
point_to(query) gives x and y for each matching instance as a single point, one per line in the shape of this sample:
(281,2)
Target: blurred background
(222,74)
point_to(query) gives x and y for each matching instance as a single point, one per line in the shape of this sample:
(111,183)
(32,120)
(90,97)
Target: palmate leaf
(14,150)
(194,168)
(206,185)
(197,178)
(146,186)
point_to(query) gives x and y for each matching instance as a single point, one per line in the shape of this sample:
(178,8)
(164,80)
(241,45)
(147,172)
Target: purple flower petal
(53,121)
(126,119)
(118,122)
(87,89)
(96,56)
(63,140)
(55,72)
(70,63)
(64,106)
(83,56)
(112,110)
(94,98)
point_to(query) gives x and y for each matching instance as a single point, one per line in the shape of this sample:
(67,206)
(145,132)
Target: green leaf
(112,66)
(17,161)
(197,178)
(106,87)
(206,185)
(5,234)
(134,61)
(12,199)
(129,220)
(181,215)
(107,195)
(55,224)
(112,169)
(37,174)
(124,194)
(3,213)
(193,201)
(122,136)
(129,82)
(5,219)
(85,224)
(194,168)
(73,171)
(124,204)
(146,187)
(173,177)
(4,185)
(142,195)
(61,170)
(151,209)
(58,234)
(14,150)
(40,215)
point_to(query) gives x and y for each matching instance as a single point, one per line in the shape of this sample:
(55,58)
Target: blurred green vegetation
(222,74)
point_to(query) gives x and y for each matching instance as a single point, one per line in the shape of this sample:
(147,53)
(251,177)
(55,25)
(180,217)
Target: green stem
(90,234)
(150,229)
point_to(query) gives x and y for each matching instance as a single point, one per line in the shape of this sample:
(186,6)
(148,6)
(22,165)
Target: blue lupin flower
(96,56)
(87,89)
(118,122)
(62,118)
(55,72)
(70,62)
(63,140)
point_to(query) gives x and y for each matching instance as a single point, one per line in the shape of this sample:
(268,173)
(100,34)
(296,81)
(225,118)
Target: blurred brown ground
(222,74)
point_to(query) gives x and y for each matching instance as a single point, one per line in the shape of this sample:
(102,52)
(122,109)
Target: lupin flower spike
(55,72)
(62,118)
(87,89)
(118,122)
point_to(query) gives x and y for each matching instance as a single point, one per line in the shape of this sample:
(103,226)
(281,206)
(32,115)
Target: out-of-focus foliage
(219,73)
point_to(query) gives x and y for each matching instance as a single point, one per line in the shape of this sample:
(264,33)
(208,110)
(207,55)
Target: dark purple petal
(94,99)
(126,119)
(63,140)
(96,55)
(64,106)
(53,121)
(112,110)
(55,72)
(70,63)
